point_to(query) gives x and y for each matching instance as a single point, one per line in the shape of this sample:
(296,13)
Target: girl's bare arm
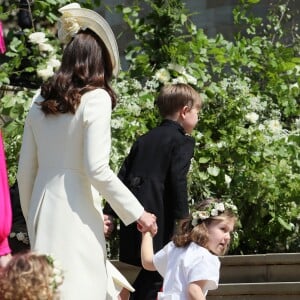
(147,251)
(195,290)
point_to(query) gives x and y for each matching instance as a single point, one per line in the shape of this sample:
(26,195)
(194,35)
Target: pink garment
(5,204)
(2,42)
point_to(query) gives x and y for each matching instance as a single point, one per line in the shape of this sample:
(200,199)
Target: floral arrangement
(46,68)
(57,273)
(213,210)
(69,27)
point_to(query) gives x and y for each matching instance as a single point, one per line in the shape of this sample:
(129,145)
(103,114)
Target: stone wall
(214,16)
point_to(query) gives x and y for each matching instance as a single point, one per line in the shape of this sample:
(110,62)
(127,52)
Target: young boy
(156,172)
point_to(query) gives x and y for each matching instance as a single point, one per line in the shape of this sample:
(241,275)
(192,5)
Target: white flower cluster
(212,211)
(39,38)
(274,126)
(57,272)
(252,117)
(164,76)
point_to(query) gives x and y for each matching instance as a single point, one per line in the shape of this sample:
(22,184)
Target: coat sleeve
(122,176)
(97,145)
(5,206)
(179,167)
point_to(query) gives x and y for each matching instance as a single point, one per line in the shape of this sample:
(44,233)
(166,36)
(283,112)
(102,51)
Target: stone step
(279,267)
(256,291)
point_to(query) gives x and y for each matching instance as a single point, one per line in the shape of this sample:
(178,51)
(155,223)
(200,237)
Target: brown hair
(86,65)
(27,276)
(187,232)
(173,97)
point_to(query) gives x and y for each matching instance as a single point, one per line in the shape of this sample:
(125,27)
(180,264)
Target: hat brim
(87,18)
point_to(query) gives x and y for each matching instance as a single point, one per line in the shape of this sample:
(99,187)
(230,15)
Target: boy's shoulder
(167,127)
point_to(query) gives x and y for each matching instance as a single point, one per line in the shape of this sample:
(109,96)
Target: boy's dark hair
(173,97)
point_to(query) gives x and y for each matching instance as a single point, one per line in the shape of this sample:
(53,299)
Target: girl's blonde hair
(28,276)
(194,228)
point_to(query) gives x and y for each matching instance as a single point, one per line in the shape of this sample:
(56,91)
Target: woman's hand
(147,222)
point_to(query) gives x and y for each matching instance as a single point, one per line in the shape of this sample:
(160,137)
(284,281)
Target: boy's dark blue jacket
(156,172)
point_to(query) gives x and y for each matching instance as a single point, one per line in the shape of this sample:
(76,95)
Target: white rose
(252,117)
(37,38)
(220,207)
(54,63)
(261,127)
(162,75)
(214,212)
(45,73)
(227,179)
(177,68)
(43,47)
(203,215)
(274,126)
(190,79)
(179,79)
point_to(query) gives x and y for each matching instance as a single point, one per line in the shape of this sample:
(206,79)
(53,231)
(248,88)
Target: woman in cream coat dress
(64,159)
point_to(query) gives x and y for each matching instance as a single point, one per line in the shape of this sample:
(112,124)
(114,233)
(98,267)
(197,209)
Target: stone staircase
(259,277)
(250,277)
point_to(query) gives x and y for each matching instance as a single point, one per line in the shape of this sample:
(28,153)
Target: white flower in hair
(214,212)
(57,272)
(203,215)
(220,206)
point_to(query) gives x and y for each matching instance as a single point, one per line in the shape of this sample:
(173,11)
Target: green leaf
(284,224)
(253,1)
(203,160)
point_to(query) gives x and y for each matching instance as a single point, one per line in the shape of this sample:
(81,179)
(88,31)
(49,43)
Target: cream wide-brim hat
(75,18)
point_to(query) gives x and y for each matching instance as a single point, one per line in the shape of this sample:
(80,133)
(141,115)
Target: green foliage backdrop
(248,137)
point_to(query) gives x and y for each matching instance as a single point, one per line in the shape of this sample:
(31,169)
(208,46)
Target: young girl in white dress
(189,263)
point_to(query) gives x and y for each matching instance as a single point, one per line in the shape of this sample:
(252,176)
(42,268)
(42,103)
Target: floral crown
(213,210)
(57,272)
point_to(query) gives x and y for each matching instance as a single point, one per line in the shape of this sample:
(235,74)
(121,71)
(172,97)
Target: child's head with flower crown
(30,276)
(210,225)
